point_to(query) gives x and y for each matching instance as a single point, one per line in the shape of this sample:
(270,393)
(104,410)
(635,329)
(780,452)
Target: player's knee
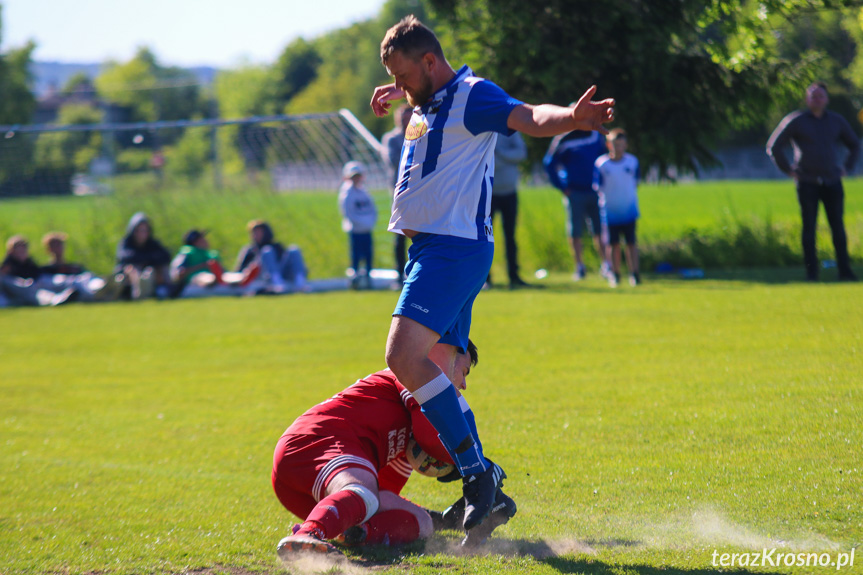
(426,527)
(369,497)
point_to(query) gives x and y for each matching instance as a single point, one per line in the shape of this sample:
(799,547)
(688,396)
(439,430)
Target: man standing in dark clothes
(509,152)
(813,135)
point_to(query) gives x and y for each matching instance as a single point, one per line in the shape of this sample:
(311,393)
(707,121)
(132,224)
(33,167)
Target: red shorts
(303,466)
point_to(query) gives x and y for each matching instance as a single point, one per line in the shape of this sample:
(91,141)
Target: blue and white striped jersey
(616,181)
(447,162)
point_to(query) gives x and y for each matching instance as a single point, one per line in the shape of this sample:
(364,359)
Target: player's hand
(590,115)
(383,96)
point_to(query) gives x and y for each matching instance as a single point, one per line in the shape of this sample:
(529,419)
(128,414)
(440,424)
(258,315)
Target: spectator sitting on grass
(197,270)
(63,275)
(280,269)
(20,278)
(143,261)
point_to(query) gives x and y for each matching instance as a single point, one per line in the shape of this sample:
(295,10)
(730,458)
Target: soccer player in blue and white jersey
(442,201)
(615,178)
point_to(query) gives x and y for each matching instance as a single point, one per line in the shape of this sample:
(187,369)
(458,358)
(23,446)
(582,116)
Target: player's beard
(422,94)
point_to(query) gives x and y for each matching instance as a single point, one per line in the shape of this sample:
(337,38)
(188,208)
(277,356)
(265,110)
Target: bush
(190,156)
(134,160)
(741,243)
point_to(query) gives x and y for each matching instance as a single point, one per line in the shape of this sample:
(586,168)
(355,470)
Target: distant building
(49,104)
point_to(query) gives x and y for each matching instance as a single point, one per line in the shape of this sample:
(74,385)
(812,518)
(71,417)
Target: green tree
(190,156)
(17,102)
(350,66)
(246,91)
(78,82)
(683,72)
(17,105)
(73,149)
(295,69)
(242,92)
(151,92)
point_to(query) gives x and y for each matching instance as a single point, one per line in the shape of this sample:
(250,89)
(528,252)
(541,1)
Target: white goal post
(294,152)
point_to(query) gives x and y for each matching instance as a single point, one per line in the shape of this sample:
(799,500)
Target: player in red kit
(342,465)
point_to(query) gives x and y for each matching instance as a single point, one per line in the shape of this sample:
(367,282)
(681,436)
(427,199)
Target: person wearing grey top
(814,134)
(391,144)
(508,153)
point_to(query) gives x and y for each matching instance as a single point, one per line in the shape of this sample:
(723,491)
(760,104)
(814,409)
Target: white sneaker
(580,273)
(605,270)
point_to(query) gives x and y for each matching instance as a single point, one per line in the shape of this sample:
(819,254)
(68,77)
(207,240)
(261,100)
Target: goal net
(302,152)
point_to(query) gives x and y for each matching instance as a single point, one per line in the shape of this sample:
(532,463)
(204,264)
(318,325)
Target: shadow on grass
(564,556)
(768,276)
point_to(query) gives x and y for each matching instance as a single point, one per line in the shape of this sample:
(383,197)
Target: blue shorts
(443,276)
(583,207)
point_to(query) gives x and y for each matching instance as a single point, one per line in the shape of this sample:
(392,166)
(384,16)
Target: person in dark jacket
(143,260)
(815,134)
(281,270)
(509,152)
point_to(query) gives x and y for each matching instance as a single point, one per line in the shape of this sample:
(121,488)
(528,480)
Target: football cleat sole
(296,545)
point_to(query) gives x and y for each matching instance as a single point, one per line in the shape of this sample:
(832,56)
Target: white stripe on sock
(432,389)
(463,403)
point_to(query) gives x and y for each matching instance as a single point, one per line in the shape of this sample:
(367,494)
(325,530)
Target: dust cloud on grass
(306,564)
(709,526)
(704,527)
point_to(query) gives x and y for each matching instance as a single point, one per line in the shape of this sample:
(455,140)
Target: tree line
(689,75)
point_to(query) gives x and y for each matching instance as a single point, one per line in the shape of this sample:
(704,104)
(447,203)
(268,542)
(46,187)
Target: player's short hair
(615,134)
(412,38)
(472,352)
(814,85)
(52,237)
(14,241)
(255,224)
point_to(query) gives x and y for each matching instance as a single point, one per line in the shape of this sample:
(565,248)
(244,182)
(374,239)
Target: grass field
(716,225)
(642,429)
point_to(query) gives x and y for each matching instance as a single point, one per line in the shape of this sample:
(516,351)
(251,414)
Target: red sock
(216,269)
(393,527)
(335,513)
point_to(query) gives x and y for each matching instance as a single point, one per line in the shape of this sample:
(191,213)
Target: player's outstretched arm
(547,120)
(382,97)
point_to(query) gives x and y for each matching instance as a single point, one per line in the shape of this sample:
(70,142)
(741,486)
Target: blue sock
(471,422)
(440,405)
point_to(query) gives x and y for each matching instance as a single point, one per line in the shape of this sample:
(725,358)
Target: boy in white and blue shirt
(615,179)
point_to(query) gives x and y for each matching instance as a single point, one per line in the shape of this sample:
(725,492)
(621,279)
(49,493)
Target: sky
(219,33)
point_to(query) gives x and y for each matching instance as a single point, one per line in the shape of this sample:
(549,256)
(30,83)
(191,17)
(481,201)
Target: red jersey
(379,412)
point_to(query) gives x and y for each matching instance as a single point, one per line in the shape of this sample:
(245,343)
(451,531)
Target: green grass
(641,428)
(717,225)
